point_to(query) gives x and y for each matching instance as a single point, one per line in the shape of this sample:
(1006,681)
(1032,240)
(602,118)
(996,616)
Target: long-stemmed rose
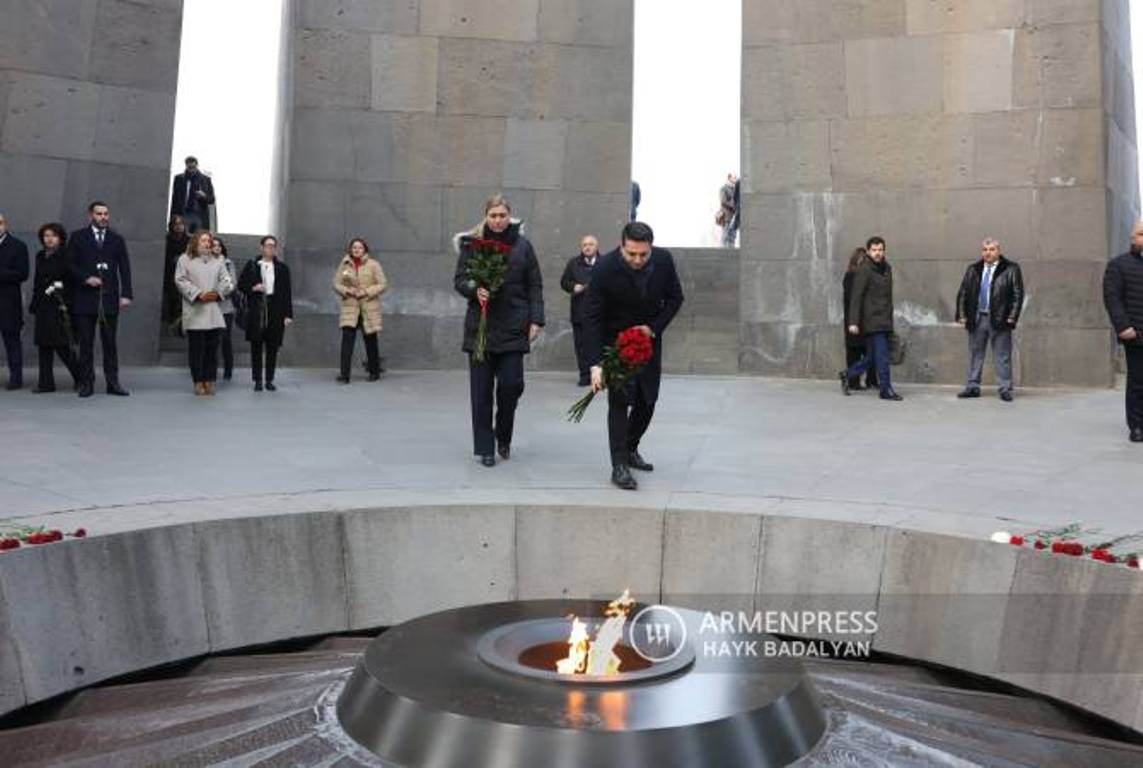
(55,291)
(485,267)
(102,268)
(633,349)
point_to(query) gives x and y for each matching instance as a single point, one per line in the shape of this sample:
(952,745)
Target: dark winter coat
(52,328)
(615,303)
(182,203)
(176,245)
(13,272)
(846,294)
(84,254)
(870,305)
(1005,295)
(266,323)
(577,272)
(1123,292)
(516,305)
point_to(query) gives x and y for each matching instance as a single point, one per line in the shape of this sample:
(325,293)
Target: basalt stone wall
(934,124)
(408,115)
(87,104)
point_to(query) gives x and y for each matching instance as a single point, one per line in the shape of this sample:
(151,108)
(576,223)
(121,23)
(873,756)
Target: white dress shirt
(267,268)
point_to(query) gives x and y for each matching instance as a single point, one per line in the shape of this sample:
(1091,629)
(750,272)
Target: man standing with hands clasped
(102,273)
(1123,298)
(988,305)
(634,286)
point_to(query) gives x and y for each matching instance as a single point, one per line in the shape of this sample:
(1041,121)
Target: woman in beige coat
(359,282)
(203,282)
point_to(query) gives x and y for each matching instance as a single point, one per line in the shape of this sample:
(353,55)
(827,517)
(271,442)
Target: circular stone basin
(531,649)
(449,690)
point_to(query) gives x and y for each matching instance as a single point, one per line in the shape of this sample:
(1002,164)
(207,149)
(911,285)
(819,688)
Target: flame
(598,657)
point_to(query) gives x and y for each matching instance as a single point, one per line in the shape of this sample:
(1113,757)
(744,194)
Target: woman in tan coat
(203,282)
(359,282)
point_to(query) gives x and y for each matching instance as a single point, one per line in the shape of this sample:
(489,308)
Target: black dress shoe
(1006,396)
(270,387)
(1137,435)
(374,377)
(257,386)
(891,395)
(14,385)
(86,390)
(583,382)
(41,389)
(968,393)
(635,461)
(488,461)
(505,450)
(342,379)
(117,391)
(227,375)
(844,383)
(621,477)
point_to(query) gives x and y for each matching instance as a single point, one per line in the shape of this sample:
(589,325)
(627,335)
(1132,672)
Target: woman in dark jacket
(854,345)
(265,282)
(869,314)
(515,316)
(51,300)
(176,246)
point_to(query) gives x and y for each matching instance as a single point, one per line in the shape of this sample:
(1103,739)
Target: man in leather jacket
(988,305)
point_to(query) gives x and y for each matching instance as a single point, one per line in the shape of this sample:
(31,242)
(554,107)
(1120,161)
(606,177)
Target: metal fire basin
(447,691)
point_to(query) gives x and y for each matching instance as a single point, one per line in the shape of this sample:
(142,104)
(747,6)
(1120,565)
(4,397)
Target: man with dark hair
(13,271)
(988,305)
(870,316)
(101,269)
(1123,298)
(192,194)
(634,286)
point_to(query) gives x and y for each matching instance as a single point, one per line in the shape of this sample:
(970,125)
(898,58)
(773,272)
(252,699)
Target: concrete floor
(748,444)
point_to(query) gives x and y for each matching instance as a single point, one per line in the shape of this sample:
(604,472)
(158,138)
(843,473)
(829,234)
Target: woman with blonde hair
(359,283)
(203,282)
(515,313)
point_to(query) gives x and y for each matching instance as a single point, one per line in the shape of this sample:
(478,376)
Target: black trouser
(86,325)
(15,354)
(257,348)
(852,355)
(202,348)
(579,337)
(47,375)
(348,338)
(502,374)
(1134,354)
(628,416)
(227,346)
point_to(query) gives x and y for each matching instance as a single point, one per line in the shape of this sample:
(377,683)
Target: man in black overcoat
(576,278)
(101,270)
(13,272)
(192,194)
(634,286)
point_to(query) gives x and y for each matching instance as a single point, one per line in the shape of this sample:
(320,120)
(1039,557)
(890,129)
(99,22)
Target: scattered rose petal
(1016,541)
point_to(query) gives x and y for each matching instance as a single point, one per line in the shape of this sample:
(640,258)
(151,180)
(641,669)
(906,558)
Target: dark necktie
(99,239)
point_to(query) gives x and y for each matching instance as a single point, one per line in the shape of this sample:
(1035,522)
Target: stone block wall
(87,104)
(934,124)
(408,115)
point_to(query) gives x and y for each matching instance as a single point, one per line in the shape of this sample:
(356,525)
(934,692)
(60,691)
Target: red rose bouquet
(486,266)
(633,349)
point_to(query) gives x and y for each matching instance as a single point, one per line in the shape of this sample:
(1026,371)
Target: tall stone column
(87,106)
(935,125)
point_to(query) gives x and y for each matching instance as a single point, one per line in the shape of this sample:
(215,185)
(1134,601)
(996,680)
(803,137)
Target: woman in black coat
(176,245)
(265,282)
(869,315)
(854,345)
(51,301)
(515,316)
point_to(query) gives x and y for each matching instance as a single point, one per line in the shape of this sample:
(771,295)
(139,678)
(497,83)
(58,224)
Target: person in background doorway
(176,245)
(192,194)
(727,217)
(576,278)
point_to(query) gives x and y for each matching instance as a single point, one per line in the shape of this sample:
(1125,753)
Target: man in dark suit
(576,278)
(1123,299)
(102,272)
(192,194)
(634,286)
(13,272)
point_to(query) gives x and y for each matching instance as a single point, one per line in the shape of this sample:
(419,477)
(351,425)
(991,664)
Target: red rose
(35,538)
(1057,547)
(1016,541)
(1132,562)
(55,536)
(1041,545)
(80,533)
(6,544)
